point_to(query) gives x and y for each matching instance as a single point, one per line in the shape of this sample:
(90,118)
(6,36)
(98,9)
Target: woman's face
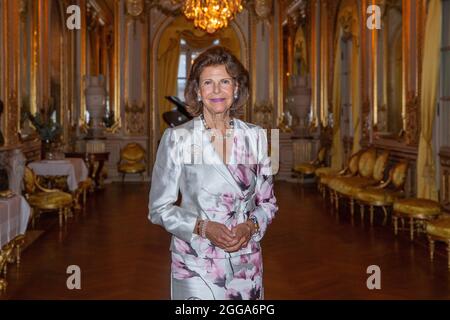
(217,89)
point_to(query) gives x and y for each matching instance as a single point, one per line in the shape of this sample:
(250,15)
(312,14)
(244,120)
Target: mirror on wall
(40,98)
(389,116)
(56,100)
(296,74)
(27,94)
(100,51)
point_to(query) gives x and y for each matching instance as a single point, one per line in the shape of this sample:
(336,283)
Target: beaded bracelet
(203,228)
(198,227)
(255,223)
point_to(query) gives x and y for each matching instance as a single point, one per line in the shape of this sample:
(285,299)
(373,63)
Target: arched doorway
(166,49)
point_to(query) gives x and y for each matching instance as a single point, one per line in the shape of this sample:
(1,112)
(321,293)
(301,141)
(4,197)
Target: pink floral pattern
(236,278)
(205,266)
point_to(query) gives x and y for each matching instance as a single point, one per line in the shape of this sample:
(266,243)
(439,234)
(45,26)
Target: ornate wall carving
(13,119)
(135,119)
(412,116)
(366,120)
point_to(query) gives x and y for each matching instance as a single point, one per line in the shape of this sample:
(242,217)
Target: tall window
(187,57)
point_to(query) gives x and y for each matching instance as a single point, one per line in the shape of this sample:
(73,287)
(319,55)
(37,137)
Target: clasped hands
(229,240)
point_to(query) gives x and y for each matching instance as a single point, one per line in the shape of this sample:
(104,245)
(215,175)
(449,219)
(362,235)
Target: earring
(235,95)
(199,98)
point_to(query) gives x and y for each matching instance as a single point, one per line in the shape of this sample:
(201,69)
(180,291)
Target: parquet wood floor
(308,254)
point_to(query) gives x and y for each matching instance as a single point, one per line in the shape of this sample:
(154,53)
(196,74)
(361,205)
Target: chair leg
(371,215)
(385,215)
(84,197)
(361,211)
(395,219)
(3,285)
(32,213)
(336,200)
(448,254)
(411,228)
(352,207)
(431,247)
(18,247)
(395,224)
(61,213)
(123,177)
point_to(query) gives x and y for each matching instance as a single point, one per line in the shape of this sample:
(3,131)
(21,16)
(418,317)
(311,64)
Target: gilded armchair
(439,230)
(419,212)
(309,168)
(9,253)
(370,172)
(385,194)
(5,252)
(42,199)
(132,160)
(326,174)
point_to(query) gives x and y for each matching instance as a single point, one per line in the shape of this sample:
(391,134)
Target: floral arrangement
(48,129)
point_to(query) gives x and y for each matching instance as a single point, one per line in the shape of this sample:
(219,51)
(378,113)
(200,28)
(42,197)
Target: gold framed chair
(82,190)
(5,253)
(326,174)
(439,230)
(85,186)
(10,253)
(309,168)
(385,194)
(42,199)
(417,211)
(370,172)
(347,187)
(132,160)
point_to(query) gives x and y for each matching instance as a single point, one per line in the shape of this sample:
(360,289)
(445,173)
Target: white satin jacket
(186,162)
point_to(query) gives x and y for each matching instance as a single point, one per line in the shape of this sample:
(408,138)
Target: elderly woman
(221,167)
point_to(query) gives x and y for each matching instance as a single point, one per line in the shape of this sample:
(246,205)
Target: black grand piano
(177,115)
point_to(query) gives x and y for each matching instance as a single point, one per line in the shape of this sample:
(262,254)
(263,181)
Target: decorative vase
(46,148)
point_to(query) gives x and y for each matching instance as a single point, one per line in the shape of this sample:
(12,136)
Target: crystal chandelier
(211,15)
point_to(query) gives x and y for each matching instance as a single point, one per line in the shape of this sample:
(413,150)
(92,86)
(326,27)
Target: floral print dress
(225,193)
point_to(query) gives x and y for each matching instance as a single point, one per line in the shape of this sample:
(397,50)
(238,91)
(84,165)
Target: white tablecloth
(14,215)
(74,168)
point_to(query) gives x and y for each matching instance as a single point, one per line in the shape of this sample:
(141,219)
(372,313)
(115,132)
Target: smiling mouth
(217,100)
